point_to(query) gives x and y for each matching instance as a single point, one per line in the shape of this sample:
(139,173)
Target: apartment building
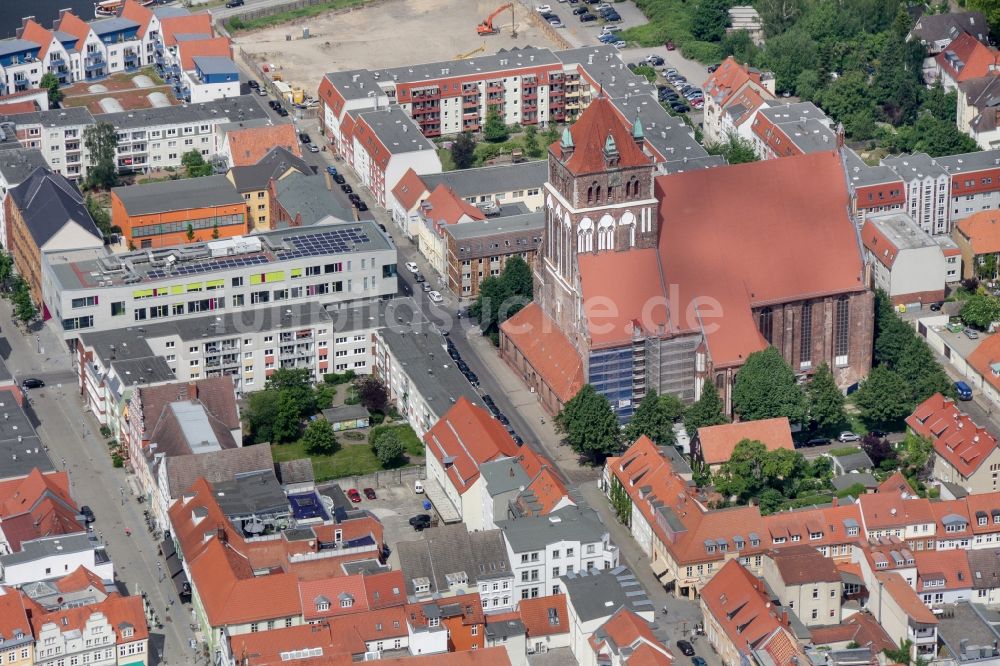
(16,165)
(791,129)
(173,212)
(19,641)
(542,549)
(476,250)
(805,582)
(48,557)
(927,186)
(58,134)
(346,264)
(733,85)
(112,632)
(906,262)
(253,180)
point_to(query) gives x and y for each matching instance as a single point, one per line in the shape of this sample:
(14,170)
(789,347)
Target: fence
(404,476)
(550,32)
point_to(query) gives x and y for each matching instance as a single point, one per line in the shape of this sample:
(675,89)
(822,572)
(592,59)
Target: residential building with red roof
(966,453)
(714,445)
(240,585)
(605,280)
(978,239)
(965,58)
(626,638)
(36,506)
(546,624)
(207,70)
(464,438)
(943,577)
(740,618)
(149,28)
(15,627)
(806,581)
(906,262)
(727,87)
(860,628)
(455,624)
(440,209)
(895,514)
(246,146)
(525,485)
(897,607)
(114,629)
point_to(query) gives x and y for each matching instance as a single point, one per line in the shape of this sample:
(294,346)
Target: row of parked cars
(680,95)
(347,189)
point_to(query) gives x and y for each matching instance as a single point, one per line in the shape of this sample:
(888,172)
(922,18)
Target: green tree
(463,151)
(259,415)
(991,10)
(930,135)
(620,502)
(531,146)
(980,310)
(51,83)
(319,438)
(101,142)
(892,334)
(24,307)
(6,269)
(766,388)
(195,164)
(287,422)
(494,129)
(654,418)
(100,216)
(517,275)
(190,232)
(940,104)
(849,100)
(826,402)
(742,476)
(710,19)
(735,149)
(916,455)
(779,15)
(740,45)
(770,500)
(388,448)
(551,135)
(588,424)
(373,393)
(883,397)
(922,373)
(297,383)
(708,410)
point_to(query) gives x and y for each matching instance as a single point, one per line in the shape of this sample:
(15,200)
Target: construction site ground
(389,33)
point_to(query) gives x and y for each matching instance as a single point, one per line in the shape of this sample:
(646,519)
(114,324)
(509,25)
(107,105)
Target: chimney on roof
(840,135)
(192,391)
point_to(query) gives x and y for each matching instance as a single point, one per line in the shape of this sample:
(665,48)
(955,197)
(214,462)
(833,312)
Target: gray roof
(845,481)
(668,135)
(425,357)
(607,69)
(48,202)
(503,476)
(917,165)
(492,179)
(567,524)
(17,164)
(251,494)
(167,12)
(491,226)
(47,546)
(71,115)
(308,196)
(148,370)
(215,64)
(860,174)
(977,161)
(256,176)
(451,549)
(104,26)
(810,136)
(963,629)
(182,194)
(598,594)
(339,413)
(858,460)
(503,629)
(205,328)
(984,565)
(64,37)
(902,231)
(20,448)
(941,27)
(500,62)
(397,131)
(783,113)
(354,83)
(10,46)
(219,466)
(233,109)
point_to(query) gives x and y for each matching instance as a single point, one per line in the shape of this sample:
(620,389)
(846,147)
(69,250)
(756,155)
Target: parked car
(818,441)
(331,170)
(712,68)
(313,148)
(32,383)
(253,84)
(234,3)
(654,60)
(680,107)
(420,521)
(412,267)
(543,8)
(304,138)
(427,286)
(608,39)
(556,22)
(580,10)
(420,277)
(698,661)
(262,92)
(346,189)
(547,15)
(87,513)
(354,495)
(848,436)
(370,493)
(971,333)
(282,112)
(620,44)
(340,180)
(611,28)
(435,296)
(611,16)
(587,18)
(685,648)
(963,390)
(362,206)
(878,433)
(273,103)
(936,307)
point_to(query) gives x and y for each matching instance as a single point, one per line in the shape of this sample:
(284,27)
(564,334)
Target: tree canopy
(588,424)
(319,438)
(502,296)
(101,142)
(766,388)
(195,164)
(494,129)
(883,397)
(50,82)
(388,448)
(826,402)
(463,151)
(980,310)
(708,410)
(735,149)
(655,418)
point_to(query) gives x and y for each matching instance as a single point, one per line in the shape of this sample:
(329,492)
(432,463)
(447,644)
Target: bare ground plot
(387,34)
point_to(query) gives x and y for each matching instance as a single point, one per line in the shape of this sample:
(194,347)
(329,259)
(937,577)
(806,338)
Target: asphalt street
(73,441)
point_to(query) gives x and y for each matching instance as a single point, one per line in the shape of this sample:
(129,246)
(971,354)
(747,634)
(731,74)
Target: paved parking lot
(395,506)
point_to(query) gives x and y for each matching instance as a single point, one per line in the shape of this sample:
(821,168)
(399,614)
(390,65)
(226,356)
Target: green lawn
(411,442)
(236,24)
(349,460)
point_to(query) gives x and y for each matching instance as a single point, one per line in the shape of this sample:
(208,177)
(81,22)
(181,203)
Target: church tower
(598,198)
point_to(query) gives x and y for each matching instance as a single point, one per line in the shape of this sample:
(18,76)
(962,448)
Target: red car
(669,45)
(354,495)
(369,493)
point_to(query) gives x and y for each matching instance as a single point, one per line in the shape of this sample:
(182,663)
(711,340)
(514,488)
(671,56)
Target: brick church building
(662,282)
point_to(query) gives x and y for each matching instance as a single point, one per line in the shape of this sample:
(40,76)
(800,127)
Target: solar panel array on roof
(328,242)
(209,266)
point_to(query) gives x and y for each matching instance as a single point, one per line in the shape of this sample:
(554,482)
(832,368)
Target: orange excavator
(487,27)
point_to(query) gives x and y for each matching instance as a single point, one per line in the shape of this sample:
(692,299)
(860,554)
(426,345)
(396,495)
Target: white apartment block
(337,264)
(542,549)
(54,557)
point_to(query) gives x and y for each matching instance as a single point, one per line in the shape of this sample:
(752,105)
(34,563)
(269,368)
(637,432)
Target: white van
(418,487)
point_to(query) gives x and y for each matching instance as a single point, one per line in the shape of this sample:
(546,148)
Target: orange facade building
(175,212)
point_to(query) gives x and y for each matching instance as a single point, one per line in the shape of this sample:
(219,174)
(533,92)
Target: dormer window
(346,600)
(815,535)
(322,606)
(982,520)
(433,622)
(127,632)
(779,540)
(882,564)
(852,531)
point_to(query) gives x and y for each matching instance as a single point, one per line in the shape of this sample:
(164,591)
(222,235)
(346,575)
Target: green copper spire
(567,138)
(609,145)
(637,129)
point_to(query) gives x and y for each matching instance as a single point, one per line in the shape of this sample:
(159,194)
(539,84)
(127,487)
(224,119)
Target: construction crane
(463,56)
(487,27)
